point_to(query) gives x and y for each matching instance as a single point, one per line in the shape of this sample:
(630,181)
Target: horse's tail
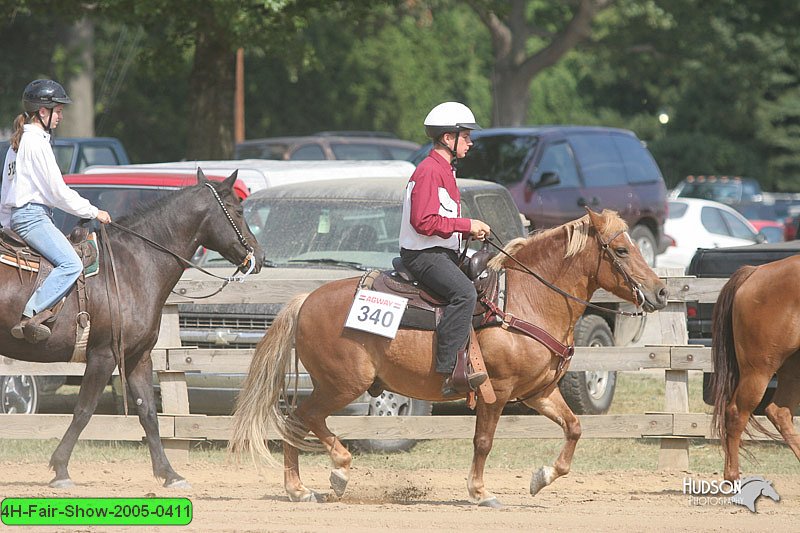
(258,408)
(725,378)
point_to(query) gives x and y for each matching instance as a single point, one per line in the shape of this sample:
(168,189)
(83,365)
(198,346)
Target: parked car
(694,223)
(723,189)
(119,194)
(721,263)
(554,171)
(75,154)
(327,145)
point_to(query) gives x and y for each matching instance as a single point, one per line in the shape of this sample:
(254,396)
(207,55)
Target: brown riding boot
(461,381)
(33,329)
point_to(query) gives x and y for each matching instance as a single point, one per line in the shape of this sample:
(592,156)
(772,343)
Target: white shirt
(31,175)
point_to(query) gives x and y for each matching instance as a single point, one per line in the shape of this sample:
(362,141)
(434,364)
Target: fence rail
(663,346)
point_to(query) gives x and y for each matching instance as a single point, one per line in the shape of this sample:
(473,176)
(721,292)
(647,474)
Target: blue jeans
(34,223)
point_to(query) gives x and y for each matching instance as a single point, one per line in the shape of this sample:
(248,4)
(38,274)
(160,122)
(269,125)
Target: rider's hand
(479,229)
(103,216)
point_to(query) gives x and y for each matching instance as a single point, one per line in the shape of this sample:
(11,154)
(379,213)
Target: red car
(123,193)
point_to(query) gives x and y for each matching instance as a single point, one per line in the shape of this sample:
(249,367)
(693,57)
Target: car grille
(221,331)
(232,323)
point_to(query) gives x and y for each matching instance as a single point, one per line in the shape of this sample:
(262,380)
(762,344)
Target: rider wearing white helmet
(32,187)
(430,238)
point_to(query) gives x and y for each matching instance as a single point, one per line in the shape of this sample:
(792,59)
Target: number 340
(376,317)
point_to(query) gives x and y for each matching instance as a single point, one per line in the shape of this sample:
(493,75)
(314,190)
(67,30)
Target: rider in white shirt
(32,187)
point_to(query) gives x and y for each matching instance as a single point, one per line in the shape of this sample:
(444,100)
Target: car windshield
(118,201)
(498,158)
(727,192)
(347,233)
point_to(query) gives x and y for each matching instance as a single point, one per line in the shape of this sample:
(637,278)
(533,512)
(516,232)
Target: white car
(693,223)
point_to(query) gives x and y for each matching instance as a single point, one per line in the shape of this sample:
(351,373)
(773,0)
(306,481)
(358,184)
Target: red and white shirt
(432,207)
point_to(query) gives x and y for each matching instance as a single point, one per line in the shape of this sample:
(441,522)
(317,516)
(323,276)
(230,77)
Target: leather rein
(116,318)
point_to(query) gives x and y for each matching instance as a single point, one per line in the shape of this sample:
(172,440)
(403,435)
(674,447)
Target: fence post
(174,393)
(674,452)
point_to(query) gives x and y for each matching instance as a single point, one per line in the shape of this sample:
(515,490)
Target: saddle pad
(30,262)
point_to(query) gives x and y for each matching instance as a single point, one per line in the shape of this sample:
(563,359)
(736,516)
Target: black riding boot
(33,329)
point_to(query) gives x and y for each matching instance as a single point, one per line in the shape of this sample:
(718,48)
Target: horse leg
(745,399)
(785,401)
(313,412)
(291,477)
(99,367)
(556,409)
(485,425)
(140,382)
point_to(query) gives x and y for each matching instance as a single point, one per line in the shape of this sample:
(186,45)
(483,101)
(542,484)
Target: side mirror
(547,179)
(760,237)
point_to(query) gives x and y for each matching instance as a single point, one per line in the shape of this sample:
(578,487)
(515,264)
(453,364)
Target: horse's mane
(577,235)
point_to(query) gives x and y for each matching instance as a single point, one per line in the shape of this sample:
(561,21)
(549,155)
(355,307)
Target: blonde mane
(577,236)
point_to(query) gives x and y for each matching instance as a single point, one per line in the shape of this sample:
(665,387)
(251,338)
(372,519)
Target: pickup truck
(721,263)
(76,153)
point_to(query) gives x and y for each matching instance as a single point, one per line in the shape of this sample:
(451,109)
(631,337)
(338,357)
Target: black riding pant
(437,269)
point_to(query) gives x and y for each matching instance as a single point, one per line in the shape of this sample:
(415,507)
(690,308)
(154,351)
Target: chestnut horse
(146,247)
(755,334)
(579,257)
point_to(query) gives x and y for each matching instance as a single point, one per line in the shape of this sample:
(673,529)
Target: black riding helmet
(44,93)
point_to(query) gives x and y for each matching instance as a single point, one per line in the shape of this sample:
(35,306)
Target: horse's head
(226,230)
(621,269)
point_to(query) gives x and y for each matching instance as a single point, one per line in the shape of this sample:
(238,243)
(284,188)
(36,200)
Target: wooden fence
(662,346)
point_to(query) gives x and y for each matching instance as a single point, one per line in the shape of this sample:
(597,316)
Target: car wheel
(646,242)
(590,392)
(19,394)
(393,404)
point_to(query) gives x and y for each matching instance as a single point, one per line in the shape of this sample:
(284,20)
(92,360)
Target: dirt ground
(236,498)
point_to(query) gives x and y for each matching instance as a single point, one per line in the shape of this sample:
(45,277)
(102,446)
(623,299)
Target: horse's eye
(621,251)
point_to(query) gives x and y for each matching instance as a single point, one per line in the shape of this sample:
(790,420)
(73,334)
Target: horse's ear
(598,220)
(230,180)
(201,177)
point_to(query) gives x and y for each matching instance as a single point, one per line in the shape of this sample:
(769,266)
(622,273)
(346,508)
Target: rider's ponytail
(16,137)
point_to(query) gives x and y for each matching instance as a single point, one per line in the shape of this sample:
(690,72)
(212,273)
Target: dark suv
(552,172)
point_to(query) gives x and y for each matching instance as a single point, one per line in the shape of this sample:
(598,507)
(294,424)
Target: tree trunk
(211,95)
(80,114)
(511,96)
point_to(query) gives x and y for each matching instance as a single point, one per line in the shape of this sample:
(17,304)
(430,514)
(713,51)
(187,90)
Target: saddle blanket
(30,262)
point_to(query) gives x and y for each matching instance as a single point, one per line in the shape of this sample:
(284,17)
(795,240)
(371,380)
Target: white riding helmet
(449,117)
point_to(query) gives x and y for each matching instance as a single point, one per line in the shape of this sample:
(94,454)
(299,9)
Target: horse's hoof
(338,482)
(177,484)
(541,478)
(309,496)
(492,503)
(62,483)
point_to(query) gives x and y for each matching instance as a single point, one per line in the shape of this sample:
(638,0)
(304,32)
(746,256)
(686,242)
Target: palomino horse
(756,333)
(208,214)
(580,257)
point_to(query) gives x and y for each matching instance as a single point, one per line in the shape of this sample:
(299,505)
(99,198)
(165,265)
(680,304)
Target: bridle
(636,288)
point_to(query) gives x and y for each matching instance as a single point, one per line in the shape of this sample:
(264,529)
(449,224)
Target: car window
(599,159)
(738,228)
(499,158)
(400,154)
(118,201)
(640,167)
(307,229)
(64,156)
(711,218)
(558,158)
(358,151)
(274,151)
(496,211)
(95,155)
(309,152)
(718,191)
(676,210)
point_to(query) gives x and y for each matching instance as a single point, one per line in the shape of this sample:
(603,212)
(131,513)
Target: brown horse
(756,333)
(580,257)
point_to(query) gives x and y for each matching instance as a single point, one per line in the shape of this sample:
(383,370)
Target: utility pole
(238,105)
